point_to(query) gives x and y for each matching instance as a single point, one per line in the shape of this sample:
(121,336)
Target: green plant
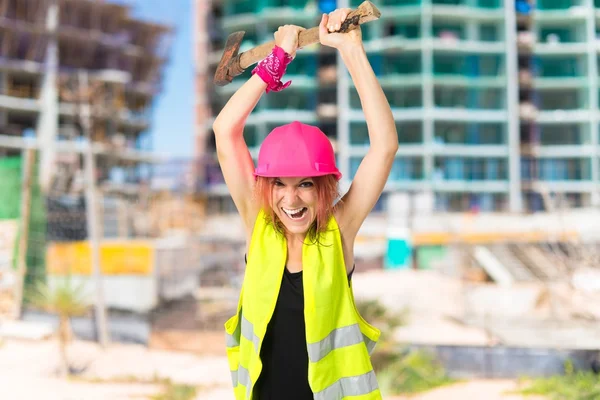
(381,316)
(65,300)
(170,390)
(573,385)
(176,391)
(399,370)
(417,371)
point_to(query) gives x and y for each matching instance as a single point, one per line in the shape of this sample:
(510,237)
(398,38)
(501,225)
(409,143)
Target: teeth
(292,212)
(297,210)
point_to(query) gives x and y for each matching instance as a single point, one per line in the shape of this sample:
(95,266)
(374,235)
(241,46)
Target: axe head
(229,66)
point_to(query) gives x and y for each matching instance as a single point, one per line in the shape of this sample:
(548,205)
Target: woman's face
(294,201)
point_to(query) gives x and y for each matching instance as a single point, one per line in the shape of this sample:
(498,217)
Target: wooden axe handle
(366,12)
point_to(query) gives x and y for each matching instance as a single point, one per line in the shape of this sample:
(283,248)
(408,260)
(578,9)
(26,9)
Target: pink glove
(272,68)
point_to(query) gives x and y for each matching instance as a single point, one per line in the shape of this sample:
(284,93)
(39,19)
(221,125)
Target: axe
(233,64)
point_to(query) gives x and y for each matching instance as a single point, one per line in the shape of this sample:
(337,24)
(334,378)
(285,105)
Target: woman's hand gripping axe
(233,64)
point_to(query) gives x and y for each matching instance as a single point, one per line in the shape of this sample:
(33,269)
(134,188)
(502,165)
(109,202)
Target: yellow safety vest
(339,340)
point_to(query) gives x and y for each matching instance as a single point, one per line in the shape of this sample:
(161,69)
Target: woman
(297,333)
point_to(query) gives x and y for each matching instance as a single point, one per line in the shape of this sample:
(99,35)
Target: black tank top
(283,354)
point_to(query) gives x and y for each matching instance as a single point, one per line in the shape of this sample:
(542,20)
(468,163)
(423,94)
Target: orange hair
(327,191)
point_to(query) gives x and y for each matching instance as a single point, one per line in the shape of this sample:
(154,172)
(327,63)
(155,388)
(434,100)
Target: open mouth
(296,213)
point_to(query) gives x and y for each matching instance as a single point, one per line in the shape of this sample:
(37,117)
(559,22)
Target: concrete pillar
(3,82)
(512,108)
(592,86)
(427,92)
(47,129)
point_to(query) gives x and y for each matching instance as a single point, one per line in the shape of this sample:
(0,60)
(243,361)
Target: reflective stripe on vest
(233,340)
(338,338)
(240,376)
(247,331)
(349,386)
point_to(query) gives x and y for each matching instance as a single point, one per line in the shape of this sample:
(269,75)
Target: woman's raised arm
(373,171)
(233,154)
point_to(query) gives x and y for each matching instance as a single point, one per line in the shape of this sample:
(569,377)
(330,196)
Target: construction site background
(163,245)
(520,298)
(159,250)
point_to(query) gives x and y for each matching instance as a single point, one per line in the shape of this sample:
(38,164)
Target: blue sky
(172,120)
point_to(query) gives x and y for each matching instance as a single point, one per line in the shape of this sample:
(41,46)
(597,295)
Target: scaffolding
(44,44)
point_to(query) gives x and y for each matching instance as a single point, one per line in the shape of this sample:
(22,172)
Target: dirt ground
(473,390)
(129,372)
(117,372)
(180,350)
(211,343)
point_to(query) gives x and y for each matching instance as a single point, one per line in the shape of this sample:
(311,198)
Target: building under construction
(78,79)
(496,101)
(59,55)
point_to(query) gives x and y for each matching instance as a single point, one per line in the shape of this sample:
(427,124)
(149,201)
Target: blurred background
(121,252)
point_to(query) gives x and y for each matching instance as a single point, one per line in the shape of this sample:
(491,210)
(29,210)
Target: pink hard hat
(297,150)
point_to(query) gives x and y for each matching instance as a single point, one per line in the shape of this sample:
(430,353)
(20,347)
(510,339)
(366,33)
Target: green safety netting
(11,170)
